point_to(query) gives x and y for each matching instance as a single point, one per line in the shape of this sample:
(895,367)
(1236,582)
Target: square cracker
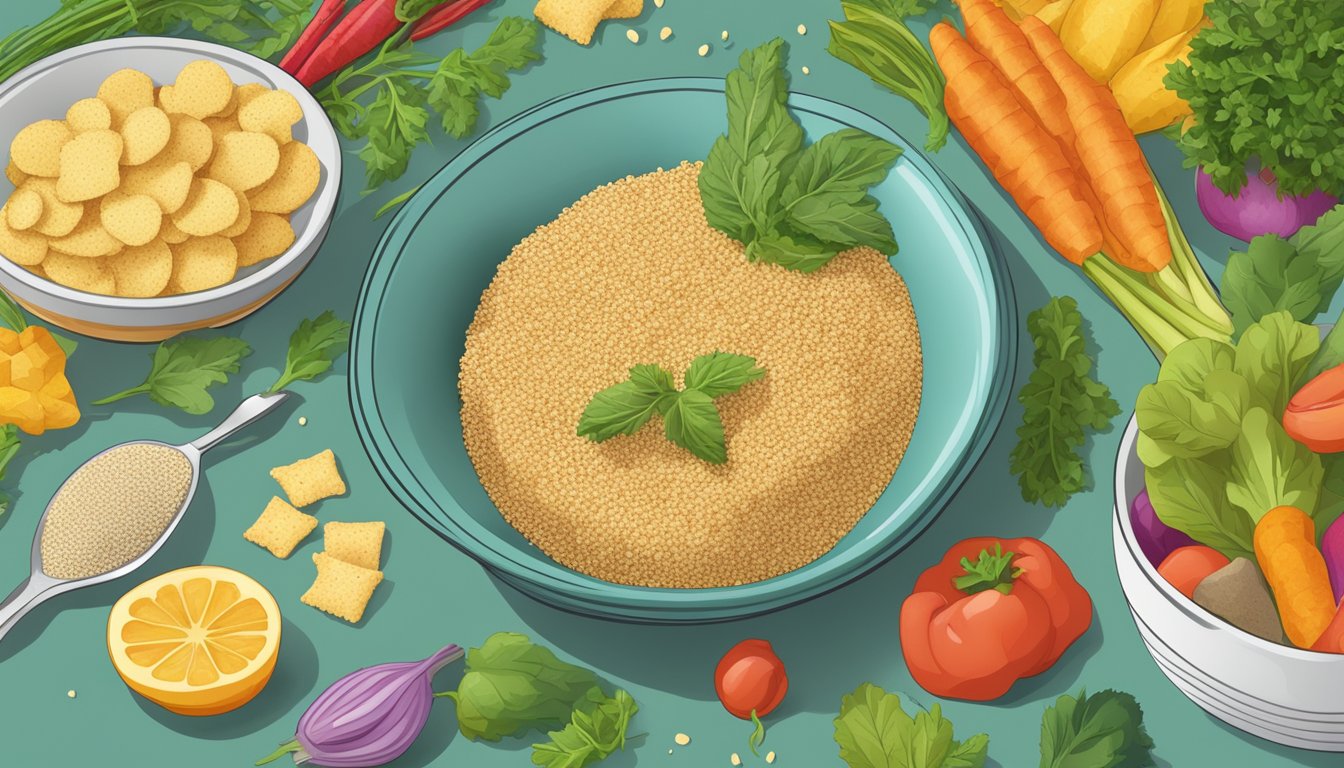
(311,479)
(280,528)
(341,589)
(624,9)
(356,543)
(575,19)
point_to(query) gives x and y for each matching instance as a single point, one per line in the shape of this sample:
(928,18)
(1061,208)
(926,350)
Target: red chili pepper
(326,17)
(443,17)
(993,611)
(750,678)
(363,29)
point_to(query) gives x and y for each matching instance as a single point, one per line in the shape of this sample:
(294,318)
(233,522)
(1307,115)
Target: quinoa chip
(311,479)
(142,271)
(36,148)
(273,113)
(575,19)
(624,9)
(80,273)
(202,89)
(267,235)
(24,209)
(88,115)
(144,134)
(280,528)
(132,219)
(294,181)
(59,218)
(167,181)
(26,249)
(88,239)
(211,207)
(341,589)
(356,543)
(244,160)
(89,166)
(125,91)
(202,263)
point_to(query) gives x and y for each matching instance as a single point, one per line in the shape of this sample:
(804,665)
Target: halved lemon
(196,641)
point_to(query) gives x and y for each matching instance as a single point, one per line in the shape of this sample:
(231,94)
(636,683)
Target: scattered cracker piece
(280,528)
(624,9)
(311,479)
(575,19)
(341,589)
(356,543)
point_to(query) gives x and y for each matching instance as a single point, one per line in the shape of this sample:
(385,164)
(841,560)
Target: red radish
(326,17)
(363,29)
(443,17)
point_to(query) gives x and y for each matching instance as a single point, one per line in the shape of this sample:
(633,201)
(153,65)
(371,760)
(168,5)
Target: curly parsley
(1264,82)
(1060,402)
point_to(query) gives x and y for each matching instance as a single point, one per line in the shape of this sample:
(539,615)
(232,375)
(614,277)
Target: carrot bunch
(1057,142)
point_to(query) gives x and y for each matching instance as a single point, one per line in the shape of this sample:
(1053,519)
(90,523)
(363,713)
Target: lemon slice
(196,641)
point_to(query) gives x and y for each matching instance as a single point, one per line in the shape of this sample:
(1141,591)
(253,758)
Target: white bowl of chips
(189,229)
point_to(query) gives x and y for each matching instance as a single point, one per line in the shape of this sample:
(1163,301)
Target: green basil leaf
(827,197)
(720,373)
(692,421)
(623,408)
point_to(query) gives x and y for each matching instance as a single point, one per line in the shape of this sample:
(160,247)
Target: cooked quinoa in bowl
(587,296)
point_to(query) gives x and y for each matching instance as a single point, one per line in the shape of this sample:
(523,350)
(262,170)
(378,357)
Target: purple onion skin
(1156,538)
(1332,547)
(370,716)
(1257,208)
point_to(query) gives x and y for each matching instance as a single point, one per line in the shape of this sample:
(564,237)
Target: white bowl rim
(324,198)
(1127,453)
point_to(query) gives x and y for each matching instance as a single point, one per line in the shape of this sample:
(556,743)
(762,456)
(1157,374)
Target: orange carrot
(1024,158)
(992,33)
(1108,155)
(1285,547)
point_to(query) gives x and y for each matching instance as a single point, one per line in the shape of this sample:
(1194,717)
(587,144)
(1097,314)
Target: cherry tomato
(750,678)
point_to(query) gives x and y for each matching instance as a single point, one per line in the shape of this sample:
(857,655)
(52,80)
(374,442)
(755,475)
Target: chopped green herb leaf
(1299,275)
(690,418)
(788,205)
(395,121)
(1060,403)
(596,730)
(1104,730)
(873,731)
(9,448)
(312,348)
(875,41)
(184,368)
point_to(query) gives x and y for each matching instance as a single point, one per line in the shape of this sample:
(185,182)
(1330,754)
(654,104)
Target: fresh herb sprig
(387,101)
(690,418)
(9,448)
(313,346)
(596,730)
(261,27)
(184,368)
(1060,403)
(788,204)
(1104,729)
(1263,82)
(873,731)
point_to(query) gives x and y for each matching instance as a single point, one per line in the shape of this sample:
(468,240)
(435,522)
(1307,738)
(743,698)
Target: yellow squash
(1147,104)
(1173,17)
(1053,13)
(1102,35)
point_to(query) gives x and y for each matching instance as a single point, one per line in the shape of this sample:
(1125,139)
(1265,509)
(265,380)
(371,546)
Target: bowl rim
(1124,530)
(565,589)
(323,199)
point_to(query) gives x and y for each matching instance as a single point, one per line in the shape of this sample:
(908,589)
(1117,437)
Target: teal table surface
(433,594)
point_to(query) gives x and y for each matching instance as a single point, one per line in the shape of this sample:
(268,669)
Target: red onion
(1156,538)
(1257,209)
(369,717)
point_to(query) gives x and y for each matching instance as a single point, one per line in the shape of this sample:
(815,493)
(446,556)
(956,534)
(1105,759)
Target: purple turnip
(1258,209)
(1156,538)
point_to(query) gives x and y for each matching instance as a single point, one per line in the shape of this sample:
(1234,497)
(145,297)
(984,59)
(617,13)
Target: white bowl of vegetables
(1225,536)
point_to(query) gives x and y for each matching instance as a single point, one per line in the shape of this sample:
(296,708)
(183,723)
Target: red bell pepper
(1315,414)
(992,612)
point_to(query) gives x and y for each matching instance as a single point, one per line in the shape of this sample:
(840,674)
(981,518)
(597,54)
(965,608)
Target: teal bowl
(442,249)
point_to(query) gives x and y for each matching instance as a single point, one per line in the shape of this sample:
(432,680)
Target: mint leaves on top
(690,418)
(788,204)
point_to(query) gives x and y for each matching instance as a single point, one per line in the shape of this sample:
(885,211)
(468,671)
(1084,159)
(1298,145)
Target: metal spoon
(39,587)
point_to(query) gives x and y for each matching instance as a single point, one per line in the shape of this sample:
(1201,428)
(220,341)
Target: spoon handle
(248,411)
(23,599)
